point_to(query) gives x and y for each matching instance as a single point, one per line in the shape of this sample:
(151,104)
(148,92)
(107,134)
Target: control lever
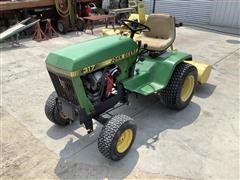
(141,51)
(179,24)
(139,44)
(145,46)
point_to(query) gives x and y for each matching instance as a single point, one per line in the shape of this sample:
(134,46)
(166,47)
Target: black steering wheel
(135,26)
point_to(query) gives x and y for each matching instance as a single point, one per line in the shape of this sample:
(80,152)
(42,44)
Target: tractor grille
(64,88)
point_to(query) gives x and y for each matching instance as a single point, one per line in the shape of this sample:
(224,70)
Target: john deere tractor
(92,77)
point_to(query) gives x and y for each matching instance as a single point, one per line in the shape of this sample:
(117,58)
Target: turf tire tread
(52,113)
(170,96)
(108,133)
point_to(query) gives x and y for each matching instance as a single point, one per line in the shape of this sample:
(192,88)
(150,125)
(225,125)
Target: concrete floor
(199,142)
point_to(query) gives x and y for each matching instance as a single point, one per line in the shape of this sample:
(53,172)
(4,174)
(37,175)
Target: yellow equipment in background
(141,12)
(121,29)
(140,16)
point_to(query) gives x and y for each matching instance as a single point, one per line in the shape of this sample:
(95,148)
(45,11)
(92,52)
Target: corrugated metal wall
(199,11)
(212,12)
(226,13)
(178,8)
(148,6)
(194,11)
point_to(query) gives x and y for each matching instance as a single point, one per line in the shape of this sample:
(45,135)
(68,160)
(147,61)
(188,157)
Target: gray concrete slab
(201,141)
(218,29)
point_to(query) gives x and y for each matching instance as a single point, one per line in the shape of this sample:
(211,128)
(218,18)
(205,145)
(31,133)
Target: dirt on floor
(23,156)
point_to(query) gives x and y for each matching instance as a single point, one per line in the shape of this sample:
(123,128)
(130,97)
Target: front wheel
(52,112)
(180,88)
(117,137)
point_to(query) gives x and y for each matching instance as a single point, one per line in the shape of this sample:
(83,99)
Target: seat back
(162,26)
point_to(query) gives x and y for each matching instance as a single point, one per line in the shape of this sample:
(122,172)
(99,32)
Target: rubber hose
(60,11)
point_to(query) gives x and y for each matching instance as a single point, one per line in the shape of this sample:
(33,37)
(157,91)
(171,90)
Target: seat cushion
(153,43)
(162,33)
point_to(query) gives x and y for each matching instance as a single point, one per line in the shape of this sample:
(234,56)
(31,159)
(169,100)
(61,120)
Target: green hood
(90,52)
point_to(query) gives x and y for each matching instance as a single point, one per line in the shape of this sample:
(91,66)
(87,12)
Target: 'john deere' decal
(95,66)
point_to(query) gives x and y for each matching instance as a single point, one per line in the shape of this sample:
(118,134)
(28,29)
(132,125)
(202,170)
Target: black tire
(62,27)
(80,24)
(171,95)
(110,134)
(52,112)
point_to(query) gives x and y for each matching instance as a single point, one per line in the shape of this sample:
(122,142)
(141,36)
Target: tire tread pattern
(108,133)
(170,96)
(52,112)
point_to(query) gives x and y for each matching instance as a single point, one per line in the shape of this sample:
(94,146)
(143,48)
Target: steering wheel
(135,26)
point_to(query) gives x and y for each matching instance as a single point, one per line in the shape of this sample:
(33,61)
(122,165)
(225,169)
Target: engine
(101,84)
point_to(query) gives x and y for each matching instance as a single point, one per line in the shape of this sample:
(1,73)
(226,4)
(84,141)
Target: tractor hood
(91,52)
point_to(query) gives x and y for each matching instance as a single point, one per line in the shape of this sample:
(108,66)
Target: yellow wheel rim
(124,140)
(187,88)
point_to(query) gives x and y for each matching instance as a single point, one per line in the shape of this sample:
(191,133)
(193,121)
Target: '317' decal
(88,69)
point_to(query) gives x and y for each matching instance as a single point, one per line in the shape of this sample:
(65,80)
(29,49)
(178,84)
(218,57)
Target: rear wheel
(180,89)
(62,27)
(52,112)
(117,137)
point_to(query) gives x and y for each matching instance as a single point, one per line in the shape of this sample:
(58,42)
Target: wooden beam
(12,5)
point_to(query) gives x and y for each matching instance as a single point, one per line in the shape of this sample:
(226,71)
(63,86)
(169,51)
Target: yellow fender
(204,71)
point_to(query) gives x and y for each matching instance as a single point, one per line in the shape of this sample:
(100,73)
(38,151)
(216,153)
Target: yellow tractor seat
(162,33)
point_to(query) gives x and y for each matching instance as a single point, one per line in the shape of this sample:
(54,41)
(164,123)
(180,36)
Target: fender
(153,75)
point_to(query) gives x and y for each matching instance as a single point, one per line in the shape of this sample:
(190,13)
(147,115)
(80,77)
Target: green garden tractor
(92,77)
